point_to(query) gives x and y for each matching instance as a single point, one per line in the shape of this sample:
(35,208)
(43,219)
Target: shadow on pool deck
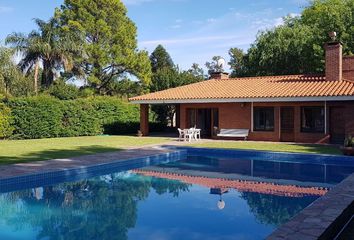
(56,153)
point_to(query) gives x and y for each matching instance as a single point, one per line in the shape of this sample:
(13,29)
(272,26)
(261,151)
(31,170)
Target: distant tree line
(297,46)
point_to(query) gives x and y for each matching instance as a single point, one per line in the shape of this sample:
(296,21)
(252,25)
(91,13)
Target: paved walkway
(22,169)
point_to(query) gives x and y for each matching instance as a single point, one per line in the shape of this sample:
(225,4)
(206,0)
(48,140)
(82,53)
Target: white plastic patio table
(191,133)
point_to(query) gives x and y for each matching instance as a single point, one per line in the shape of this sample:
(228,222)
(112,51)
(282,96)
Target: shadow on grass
(56,153)
(320,149)
(275,147)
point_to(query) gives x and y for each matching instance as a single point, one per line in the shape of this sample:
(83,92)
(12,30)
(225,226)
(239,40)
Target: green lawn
(268,146)
(43,149)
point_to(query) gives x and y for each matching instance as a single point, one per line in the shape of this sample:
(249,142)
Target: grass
(268,146)
(17,151)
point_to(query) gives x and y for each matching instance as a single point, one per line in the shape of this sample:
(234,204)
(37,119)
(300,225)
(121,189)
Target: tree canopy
(297,46)
(12,81)
(46,45)
(160,59)
(167,75)
(109,40)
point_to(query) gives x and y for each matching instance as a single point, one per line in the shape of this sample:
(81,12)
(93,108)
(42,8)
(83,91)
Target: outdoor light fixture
(332,35)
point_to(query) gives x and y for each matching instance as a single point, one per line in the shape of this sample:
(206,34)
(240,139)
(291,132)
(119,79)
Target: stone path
(22,169)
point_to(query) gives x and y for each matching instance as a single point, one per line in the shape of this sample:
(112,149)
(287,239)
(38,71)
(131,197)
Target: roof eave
(231,100)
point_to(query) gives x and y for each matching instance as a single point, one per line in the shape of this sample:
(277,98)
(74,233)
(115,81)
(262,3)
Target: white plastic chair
(197,134)
(189,133)
(181,134)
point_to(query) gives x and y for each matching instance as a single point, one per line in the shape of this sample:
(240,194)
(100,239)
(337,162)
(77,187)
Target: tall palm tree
(48,47)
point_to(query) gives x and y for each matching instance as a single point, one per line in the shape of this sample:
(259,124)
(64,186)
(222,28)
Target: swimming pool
(201,194)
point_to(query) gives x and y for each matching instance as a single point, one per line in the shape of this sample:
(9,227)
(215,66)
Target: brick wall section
(237,115)
(348,68)
(334,61)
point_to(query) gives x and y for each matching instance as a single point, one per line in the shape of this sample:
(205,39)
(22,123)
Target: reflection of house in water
(280,178)
(316,173)
(240,185)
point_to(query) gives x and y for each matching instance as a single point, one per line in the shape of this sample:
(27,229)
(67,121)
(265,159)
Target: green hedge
(45,117)
(5,121)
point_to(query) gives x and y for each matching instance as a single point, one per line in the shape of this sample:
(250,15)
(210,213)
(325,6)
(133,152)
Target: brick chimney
(334,61)
(219,75)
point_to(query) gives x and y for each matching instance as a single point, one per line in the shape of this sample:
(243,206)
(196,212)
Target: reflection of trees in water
(275,210)
(100,208)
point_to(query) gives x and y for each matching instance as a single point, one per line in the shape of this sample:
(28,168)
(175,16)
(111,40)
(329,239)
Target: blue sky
(191,30)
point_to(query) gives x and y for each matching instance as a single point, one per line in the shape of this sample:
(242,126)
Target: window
(263,119)
(312,119)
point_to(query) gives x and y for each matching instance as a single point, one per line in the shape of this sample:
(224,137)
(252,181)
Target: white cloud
(294,15)
(193,40)
(211,20)
(4,9)
(139,2)
(278,22)
(176,26)
(135,2)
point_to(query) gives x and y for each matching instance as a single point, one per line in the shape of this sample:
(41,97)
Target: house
(292,108)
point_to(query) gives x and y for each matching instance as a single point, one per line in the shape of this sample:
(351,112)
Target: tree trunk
(36,70)
(47,75)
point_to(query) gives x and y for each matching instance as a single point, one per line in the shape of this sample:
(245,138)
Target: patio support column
(178,115)
(251,116)
(144,119)
(325,117)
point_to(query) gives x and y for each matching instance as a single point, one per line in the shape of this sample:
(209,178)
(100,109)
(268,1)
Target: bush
(5,121)
(36,117)
(63,91)
(79,119)
(349,141)
(46,117)
(116,116)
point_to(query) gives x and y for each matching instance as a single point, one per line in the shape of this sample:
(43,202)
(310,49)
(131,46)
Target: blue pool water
(203,195)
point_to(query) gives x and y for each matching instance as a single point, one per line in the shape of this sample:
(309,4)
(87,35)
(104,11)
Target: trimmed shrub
(116,116)
(79,119)
(5,121)
(36,117)
(45,117)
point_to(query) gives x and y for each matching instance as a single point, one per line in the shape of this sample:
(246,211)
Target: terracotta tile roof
(240,185)
(290,86)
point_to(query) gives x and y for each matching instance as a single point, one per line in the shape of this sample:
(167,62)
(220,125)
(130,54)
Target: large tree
(167,75)
(297,46)
(160,59)
(287,49)
(46,46)
(12,81)
(324,16)
(164,71)
(196,71)
(109,39)
(237,59)
(213,65)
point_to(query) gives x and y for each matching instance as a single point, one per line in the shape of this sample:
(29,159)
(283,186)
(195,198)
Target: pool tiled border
(324,218)
(29,175)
